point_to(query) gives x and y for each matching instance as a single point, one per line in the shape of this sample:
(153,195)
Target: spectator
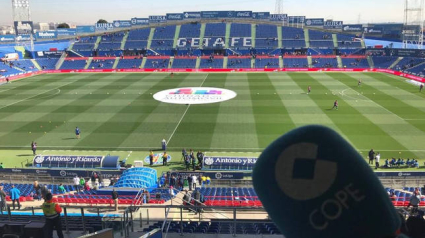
(194,181)
(186,199)
(52,213)
(86,185)
(2,200)
(151,155)
(181,182)
(61,189)
(76,181)
(1,166)
(40,191)
(15,194)
(172,194)
(115,198)
(100,179)
(164,158)
(190,180)
(93,179)
(208,180)
(415,199)
(82,182)
(204,181)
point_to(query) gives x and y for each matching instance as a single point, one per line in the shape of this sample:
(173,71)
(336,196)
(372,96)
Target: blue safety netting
(137,178)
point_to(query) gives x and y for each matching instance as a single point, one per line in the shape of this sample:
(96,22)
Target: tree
(102,21)
(63,25)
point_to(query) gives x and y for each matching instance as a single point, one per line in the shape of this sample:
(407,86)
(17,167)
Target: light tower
(413,23)
(278,7)
(22,13)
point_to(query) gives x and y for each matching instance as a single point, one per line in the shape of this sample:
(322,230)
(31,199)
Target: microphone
(314,184)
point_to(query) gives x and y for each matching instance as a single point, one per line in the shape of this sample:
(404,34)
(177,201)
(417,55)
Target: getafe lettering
(195,42)
(332,209)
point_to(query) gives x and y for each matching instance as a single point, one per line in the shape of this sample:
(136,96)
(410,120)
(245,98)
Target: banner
(353,28)
(175,16)
(66,32)
(85,29)
(217,14)
(23,38)
(139,21)
(23,27)
(333,25)
(104,26)
(50,54)
(64,173)
(314,22)
(157,19)
(192,15)
(157,159)
(67,161)
(7,38)
(46,35)
(261,15)
(229,163)
(400,174)
(212,175)
(373,30)
(296,19)
(243,14)
(122,23)
(278,17)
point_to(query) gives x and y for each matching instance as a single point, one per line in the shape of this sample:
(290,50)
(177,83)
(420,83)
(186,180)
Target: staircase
(307,38)
(76,53)
(98,40)
(335,39)
(310,62)
(201,37)
(124,40)
(34,62)
(227,37)
(280,60)
(396,62)
(198,62)
(71,46)
(117,60)
(279,36)
(88,63)
(225,60)
(339,60)
(150,37)
(60,61)
(253,33)
(370,61)
(170,65)
(142,66)
(176,35)
(363,44)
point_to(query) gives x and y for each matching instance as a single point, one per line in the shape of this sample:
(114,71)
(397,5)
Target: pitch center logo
(194,95)
(301,175)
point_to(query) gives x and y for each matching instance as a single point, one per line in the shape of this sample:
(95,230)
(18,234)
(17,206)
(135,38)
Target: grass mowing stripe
(397,82)
(361,131)
(194,131)
(235,124)
(57,115)
(271,117)
(143,105)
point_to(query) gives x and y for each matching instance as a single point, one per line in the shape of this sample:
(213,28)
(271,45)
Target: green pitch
(117,112)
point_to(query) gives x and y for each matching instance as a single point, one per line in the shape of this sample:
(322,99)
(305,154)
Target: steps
(396,62)
(117,60)
(198,62)
(150,37)
(170,65)
(88,63)
(307,38)
(71,46)
(280,60)
(225,60)
(227,37)
(279,36)
(339,60)
(34,62)
(253,34)
(98,40)
(310,61)
(60,61)
(370,61)
(75,52)
(252,63)
(143,62)
(176,36)
(335,39)
(202,35)
(124,40)
(363,44)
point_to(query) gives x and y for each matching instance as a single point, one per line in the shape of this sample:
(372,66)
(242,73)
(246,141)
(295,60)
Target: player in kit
(77,132)
(421,87)
(335,105)
(359,84)
(309,90)
(172,75)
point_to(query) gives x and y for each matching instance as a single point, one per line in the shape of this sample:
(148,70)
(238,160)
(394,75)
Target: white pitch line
(414,119)
(184,114)
(6,90)
(35,95)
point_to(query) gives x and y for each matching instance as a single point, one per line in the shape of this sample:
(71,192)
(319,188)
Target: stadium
(212,123)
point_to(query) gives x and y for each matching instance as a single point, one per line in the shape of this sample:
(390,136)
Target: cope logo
(194,95)
(301,175)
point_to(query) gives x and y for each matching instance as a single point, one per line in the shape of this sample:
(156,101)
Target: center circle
(196,95)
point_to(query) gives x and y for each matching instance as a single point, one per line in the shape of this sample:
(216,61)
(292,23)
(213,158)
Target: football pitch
(117,112)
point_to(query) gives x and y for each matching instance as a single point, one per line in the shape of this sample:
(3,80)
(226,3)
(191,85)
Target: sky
(89,11)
